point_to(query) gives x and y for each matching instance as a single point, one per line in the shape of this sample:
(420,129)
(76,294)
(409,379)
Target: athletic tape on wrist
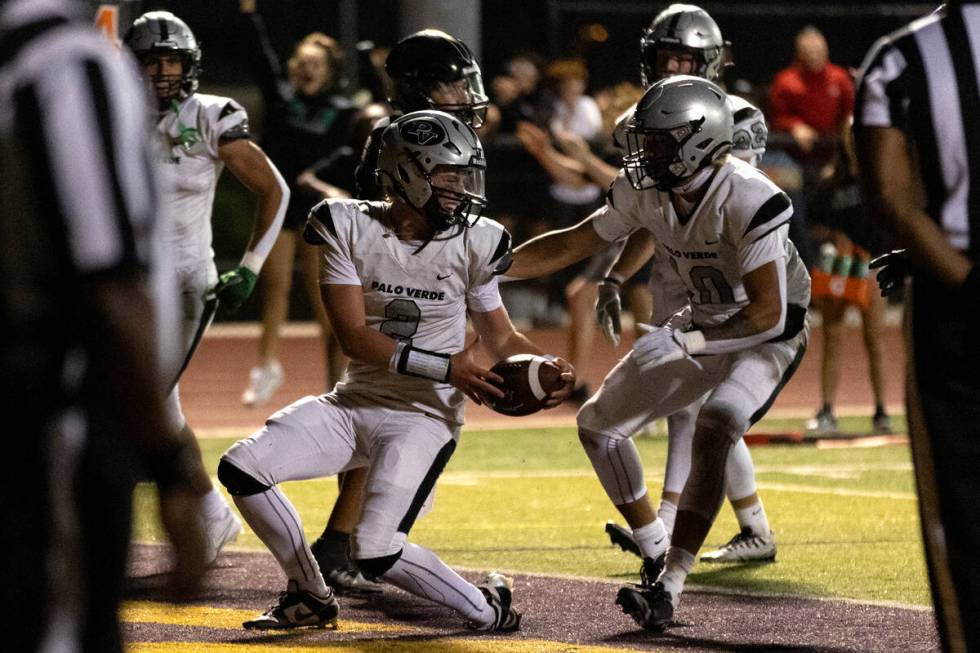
(693,342)
(253,262)
(412,361)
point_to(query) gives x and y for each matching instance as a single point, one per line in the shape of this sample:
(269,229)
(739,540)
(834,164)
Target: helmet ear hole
(403,174)
(703,144)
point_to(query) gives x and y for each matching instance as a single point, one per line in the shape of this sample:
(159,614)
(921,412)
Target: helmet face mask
(155,36)
(434,162)
(681,125)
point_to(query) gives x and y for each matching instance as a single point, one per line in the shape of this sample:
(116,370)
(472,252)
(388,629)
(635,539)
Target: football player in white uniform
(398,280)
(198,136)
(684,39)
(724,225)
(428,70)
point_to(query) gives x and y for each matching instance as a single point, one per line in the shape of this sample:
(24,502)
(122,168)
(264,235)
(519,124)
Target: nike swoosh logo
(659,541)
(712,242)
(442,277)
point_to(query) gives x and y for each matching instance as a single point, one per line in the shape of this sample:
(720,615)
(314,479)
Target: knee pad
(722,418)
(237,482)
(375,568)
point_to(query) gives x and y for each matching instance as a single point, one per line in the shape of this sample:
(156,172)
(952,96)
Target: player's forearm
(511,344)
(270,215)
(555,250)
(753,325)
(637,251)
(366,345)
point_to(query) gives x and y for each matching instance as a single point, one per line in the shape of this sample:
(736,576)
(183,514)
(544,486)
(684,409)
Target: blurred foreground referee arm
(892,191)
(83,117)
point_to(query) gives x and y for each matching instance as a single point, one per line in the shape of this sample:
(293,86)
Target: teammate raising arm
(197,136)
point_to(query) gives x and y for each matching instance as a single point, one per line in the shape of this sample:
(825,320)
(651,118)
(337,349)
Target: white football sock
(679,564)
(275,521)
(652,538)
(667,511)
(213,504)
(419,571)
(754,517)
(739,472)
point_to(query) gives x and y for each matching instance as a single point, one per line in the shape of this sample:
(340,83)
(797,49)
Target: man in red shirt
(812,97)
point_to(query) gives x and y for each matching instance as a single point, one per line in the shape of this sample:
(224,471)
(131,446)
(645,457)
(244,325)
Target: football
(528,379)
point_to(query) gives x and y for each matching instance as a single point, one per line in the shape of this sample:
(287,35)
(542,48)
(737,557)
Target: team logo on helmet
(424,132)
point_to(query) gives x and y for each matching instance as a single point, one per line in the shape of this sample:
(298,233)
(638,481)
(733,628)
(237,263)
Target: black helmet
(420,62)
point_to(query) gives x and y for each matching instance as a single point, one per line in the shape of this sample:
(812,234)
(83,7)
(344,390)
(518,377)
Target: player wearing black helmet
(429,69)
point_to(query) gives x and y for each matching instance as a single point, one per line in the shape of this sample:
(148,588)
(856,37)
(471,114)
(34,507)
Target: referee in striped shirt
(80,360)
(917,130)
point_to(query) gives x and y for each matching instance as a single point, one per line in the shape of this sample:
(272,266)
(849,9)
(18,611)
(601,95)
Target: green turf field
(527,500)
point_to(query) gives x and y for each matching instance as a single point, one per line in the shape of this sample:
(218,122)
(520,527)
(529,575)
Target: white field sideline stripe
(474,478)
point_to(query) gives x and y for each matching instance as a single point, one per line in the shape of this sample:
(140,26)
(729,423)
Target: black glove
(894,270)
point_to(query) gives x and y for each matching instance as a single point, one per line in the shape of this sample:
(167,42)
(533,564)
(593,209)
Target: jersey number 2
(403,319)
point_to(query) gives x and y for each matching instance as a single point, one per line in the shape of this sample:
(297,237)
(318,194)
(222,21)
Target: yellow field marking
(203,616)
(440,645)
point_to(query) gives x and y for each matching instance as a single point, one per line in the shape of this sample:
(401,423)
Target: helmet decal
(423,132)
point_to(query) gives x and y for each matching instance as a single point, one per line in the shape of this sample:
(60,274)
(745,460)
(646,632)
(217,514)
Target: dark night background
(761,32)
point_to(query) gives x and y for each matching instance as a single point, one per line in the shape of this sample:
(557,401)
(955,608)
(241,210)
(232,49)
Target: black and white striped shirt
(77,196)
(922,79)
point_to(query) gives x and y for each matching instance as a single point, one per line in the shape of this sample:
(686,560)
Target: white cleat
(220,531)
(745,547)
(263,381)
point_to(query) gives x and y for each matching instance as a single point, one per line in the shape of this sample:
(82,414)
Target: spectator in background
(518,93)
(812,98)
(808,101)
(307,118)
(838,218)
(88,319)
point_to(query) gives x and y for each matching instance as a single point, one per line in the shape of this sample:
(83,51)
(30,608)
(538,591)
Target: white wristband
(694,342)
(253,262)
(413,361)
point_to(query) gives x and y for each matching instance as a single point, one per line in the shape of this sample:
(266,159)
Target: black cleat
(623,538)
(650,607)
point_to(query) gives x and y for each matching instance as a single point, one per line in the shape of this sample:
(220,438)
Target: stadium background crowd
(600,41)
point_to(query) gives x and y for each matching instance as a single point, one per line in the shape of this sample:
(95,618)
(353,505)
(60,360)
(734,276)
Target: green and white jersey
(411,294)
(189,138)
(741,223)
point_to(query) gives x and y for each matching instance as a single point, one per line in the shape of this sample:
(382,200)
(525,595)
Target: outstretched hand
(473,380)
(893,268)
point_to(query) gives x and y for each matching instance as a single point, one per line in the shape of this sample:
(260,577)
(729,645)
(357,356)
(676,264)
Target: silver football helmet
(683,28)
(681,125)
(157,32)
(414,146)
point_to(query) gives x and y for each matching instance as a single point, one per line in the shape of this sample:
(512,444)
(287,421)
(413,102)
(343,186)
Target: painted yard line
(840,492)
(440,643)
(209,617)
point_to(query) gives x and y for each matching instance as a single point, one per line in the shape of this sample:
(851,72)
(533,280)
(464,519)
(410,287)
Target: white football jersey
(749,131)
(420,296)
(740,223)
(189,140)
